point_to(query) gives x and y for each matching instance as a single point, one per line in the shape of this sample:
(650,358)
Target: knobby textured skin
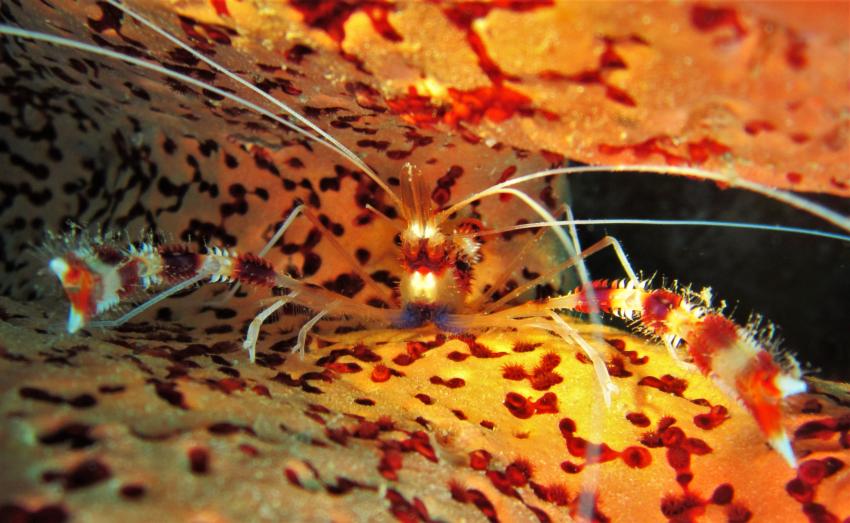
(193,434)
(166,423)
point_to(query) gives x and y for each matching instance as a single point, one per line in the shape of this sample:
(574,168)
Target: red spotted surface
(475,432)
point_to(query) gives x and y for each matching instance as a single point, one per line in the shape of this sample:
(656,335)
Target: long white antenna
(671,223)
(328,141)
(793,200)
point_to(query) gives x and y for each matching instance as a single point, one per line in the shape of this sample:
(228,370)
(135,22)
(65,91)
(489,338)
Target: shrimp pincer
(730,354)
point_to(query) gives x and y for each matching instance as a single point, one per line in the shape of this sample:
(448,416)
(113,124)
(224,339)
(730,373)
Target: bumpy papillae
(166,423)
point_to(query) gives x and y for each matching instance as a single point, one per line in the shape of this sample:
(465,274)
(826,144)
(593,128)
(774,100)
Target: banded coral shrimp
(569,436)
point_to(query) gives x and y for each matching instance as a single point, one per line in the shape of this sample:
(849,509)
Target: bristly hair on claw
(100,271)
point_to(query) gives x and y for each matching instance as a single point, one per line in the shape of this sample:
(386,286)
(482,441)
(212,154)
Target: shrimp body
(438,266)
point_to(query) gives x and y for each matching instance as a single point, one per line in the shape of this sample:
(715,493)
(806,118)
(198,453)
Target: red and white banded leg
(98,277)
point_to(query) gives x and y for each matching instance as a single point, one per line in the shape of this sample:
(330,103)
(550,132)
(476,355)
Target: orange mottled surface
(756,89)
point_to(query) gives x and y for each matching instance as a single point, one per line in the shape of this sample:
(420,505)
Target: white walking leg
(250,343)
